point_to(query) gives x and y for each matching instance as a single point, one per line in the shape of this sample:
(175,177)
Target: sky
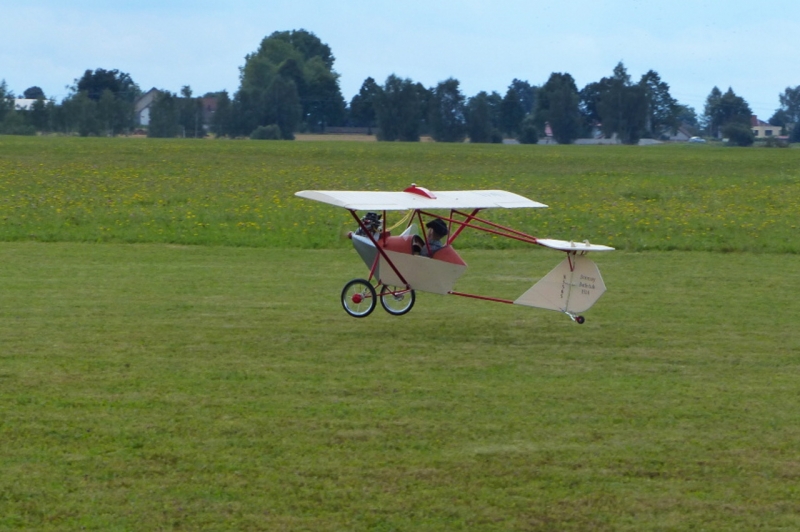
(750,46)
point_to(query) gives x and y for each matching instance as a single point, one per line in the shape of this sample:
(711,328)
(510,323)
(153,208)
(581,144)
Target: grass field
(153,386)
(684,197)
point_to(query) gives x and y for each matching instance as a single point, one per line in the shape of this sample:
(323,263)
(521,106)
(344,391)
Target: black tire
(358,298)
(397,301)
(580,320)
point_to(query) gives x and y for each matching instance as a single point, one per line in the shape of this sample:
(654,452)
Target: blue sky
(751,46)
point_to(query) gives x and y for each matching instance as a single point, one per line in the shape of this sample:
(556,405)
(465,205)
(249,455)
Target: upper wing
(400,201)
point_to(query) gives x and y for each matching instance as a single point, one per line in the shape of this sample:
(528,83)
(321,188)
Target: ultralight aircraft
(398,265)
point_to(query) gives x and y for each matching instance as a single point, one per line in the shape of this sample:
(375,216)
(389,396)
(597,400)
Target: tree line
(289,85)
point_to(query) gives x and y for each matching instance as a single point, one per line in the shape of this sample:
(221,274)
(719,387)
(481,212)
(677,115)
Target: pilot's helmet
(438,226)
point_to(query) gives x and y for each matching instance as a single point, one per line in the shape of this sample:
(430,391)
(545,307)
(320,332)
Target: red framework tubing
(470,220)
(379,248)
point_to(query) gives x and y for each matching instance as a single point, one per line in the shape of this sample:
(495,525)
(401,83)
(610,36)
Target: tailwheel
(358,298)
(579,319)
(397,301)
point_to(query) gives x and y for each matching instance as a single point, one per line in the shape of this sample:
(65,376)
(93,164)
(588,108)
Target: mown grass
(683,197)
(221,386)
(151,387)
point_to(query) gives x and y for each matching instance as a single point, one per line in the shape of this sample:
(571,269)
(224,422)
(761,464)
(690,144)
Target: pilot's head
(438,227)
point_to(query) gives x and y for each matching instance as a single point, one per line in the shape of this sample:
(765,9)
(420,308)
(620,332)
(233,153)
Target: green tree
(794,135)
(558,104)
(722,109)
(779,118)
(529,132)
(190,114)
(93,83)
(40,114)
(712,119)
(222,121)
(447,112)
(307,44)
(297,67)
(6,100)
(116,118)
(738,134)
(688,116)
(80,114)
(283,106)
(662,108)
(164,116)
(362,106)
(106,111)
(34,93)
(478,116)
(526,93)
(790,105)
(323,103)
(589,100)
(622,107)
(512,111)
(398,108)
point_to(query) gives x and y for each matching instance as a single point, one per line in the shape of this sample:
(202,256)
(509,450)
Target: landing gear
(397,301)
(358,298)
(574,317)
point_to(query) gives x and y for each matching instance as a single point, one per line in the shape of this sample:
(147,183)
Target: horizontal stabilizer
(564,245)
(573,286)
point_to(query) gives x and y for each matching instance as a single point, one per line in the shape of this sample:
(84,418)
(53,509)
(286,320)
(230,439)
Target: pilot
(437,230)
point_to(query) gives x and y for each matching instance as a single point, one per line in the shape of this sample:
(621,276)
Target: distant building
(763,130)
(141,107)
(683,133)
(209,108)
(24,104)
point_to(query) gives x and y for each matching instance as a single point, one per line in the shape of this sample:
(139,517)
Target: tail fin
(571,287)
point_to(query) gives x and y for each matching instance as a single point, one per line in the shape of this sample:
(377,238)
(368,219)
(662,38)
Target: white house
(763,130)
(24,104)
(141,107)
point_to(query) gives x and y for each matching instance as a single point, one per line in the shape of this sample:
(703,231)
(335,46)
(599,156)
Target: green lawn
(241,193)
(147,387)
(174,355)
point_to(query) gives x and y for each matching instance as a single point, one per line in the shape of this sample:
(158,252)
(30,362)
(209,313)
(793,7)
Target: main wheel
(397,301)
(358,298)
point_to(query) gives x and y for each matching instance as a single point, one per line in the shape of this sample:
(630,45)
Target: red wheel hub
(357,298)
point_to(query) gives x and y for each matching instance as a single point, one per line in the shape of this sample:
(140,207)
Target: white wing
(401,201)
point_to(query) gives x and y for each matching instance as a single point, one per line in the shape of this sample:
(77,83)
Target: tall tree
(222,121)
(362,106)
(118,117)
(712,118)
(40,114)
(622,107)
(6,100)
(34,93)
(447,112)
(558,104)
(80,114)
(662,108)
(687,115)
(479,118)
(790,104)
(398,109)
(119,83)
(190,114)
(296,67)
(526,94)
(164,116)
(106,109)
(723,109)
(512,111)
